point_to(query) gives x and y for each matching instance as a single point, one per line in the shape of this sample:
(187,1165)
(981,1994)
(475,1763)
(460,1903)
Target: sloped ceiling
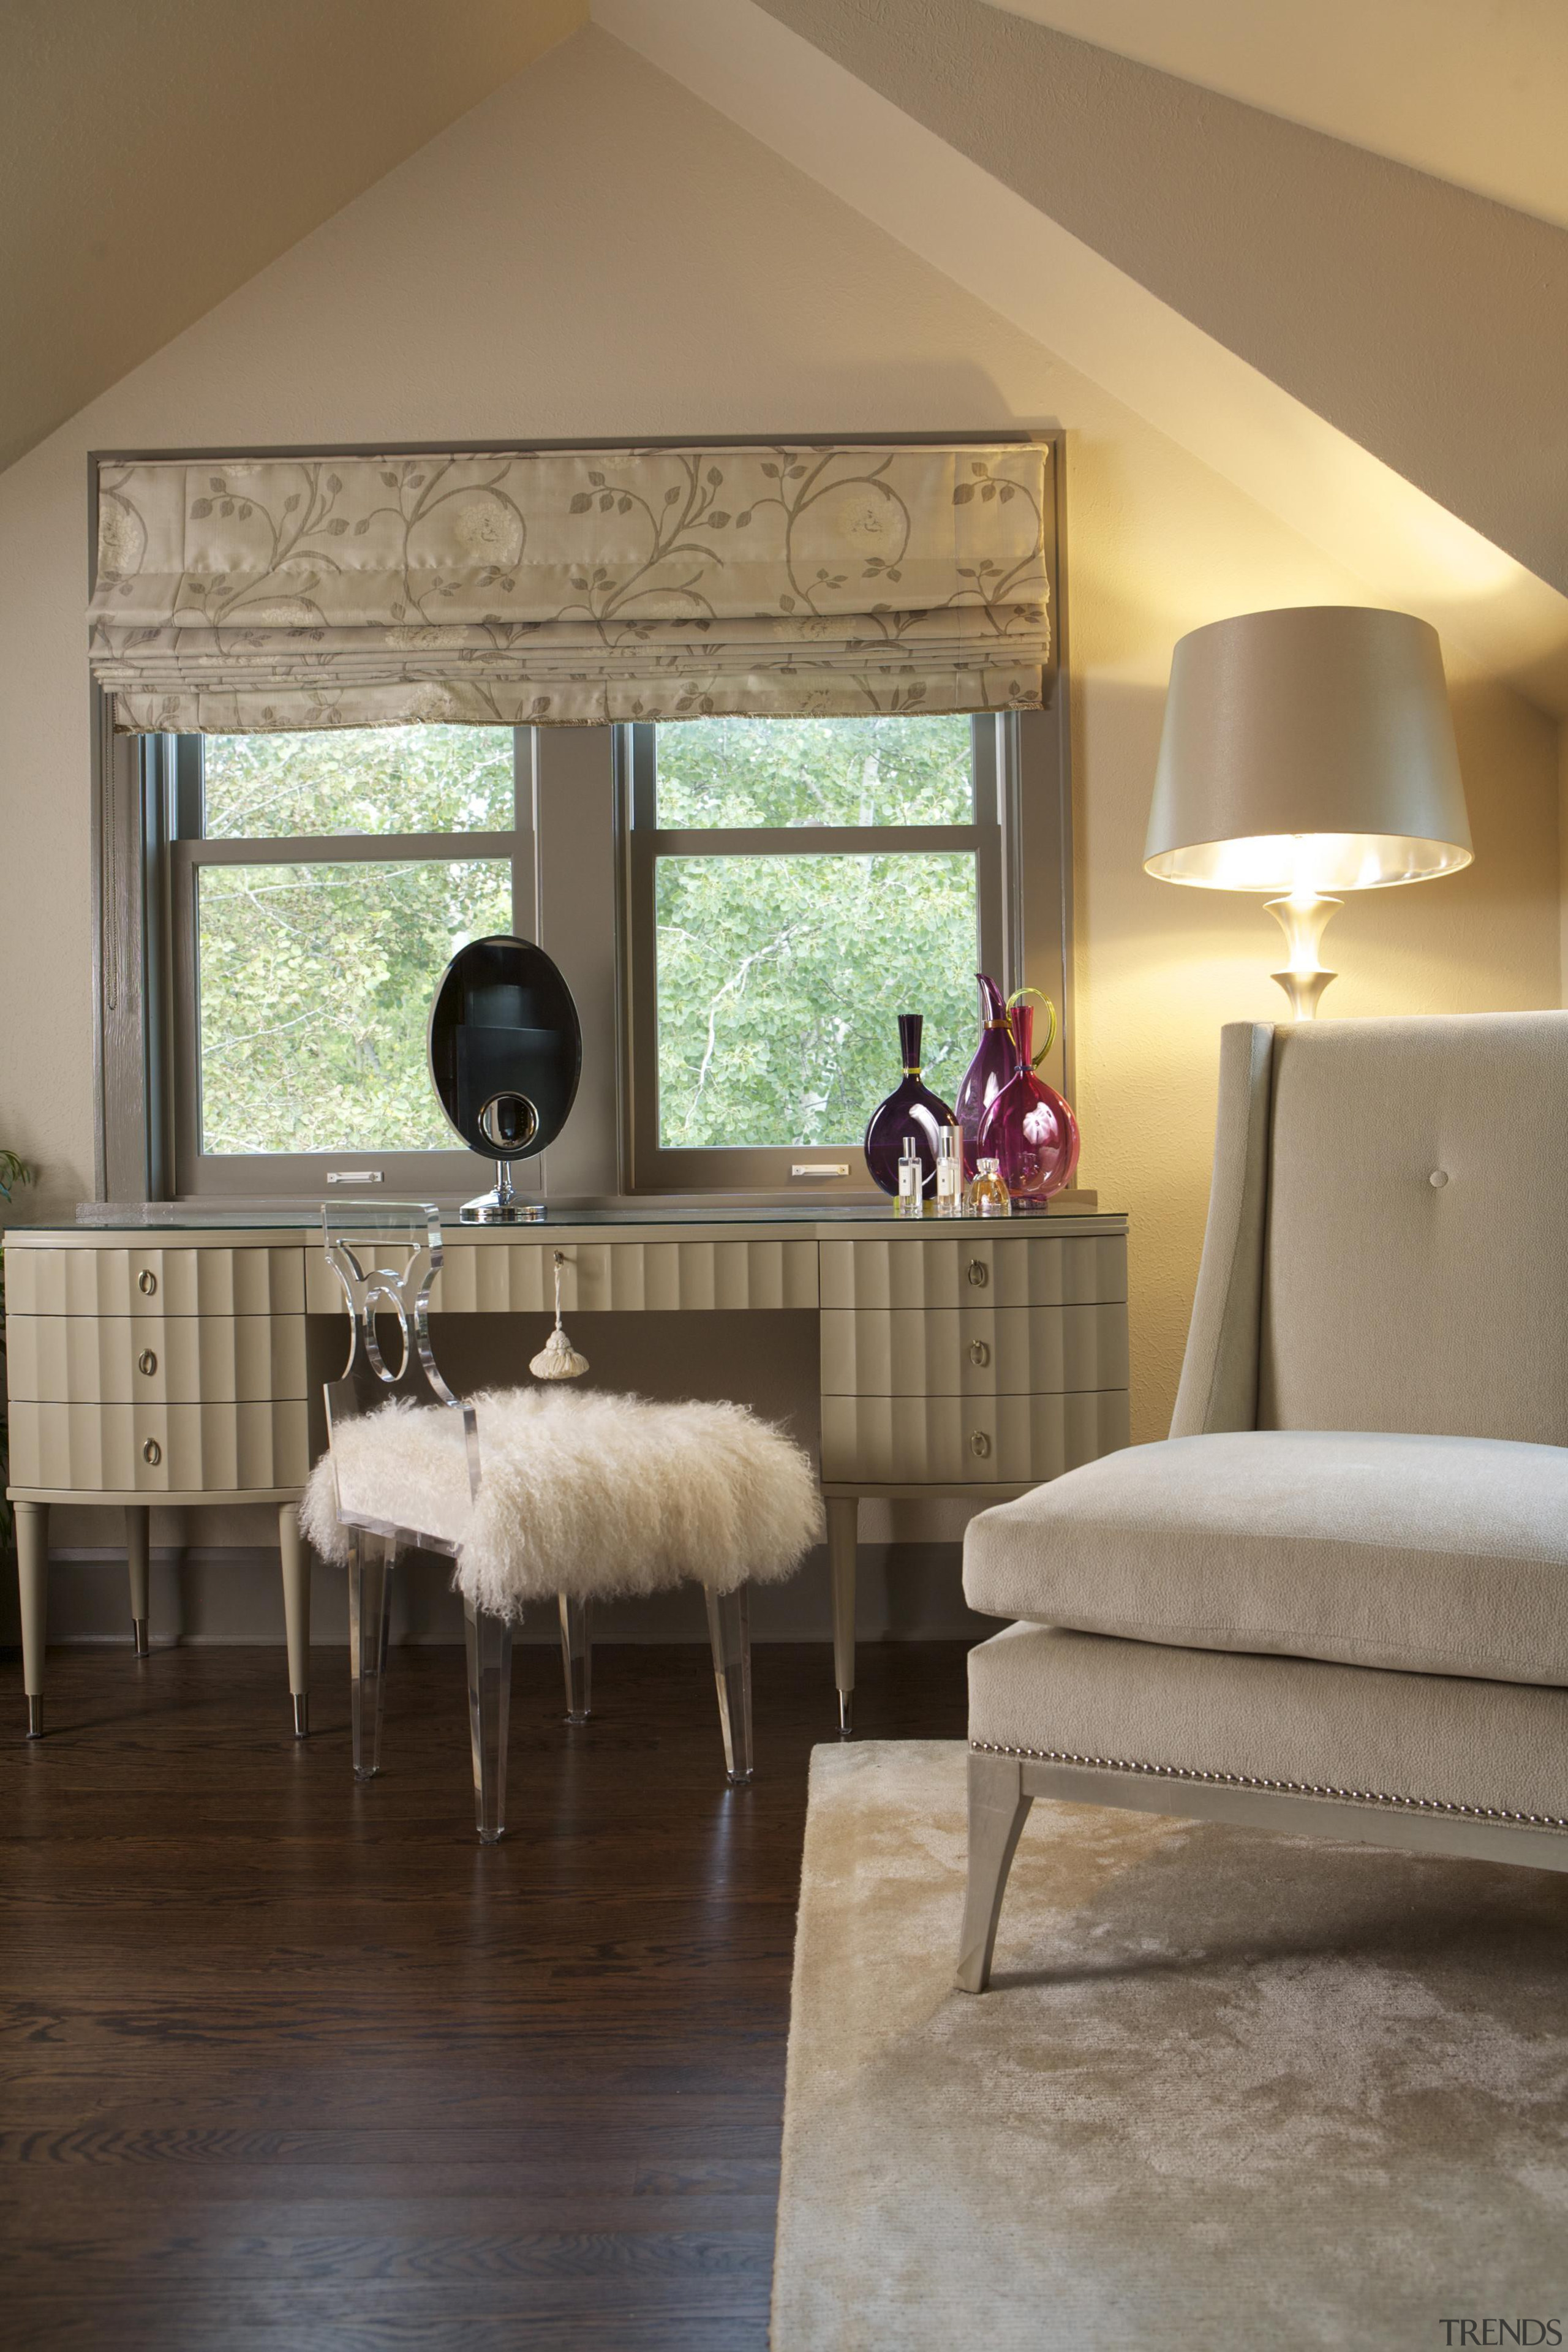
(156,153)
(1475,95)
(876,148)
(1427,322)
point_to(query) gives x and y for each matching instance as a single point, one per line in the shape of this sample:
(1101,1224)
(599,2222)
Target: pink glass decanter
(1029,1129)
(995,1058)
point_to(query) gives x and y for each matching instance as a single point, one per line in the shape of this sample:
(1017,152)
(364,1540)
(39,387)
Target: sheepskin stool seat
(538,1494)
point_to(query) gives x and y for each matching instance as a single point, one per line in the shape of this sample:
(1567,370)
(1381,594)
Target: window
(793,885)
(318,885)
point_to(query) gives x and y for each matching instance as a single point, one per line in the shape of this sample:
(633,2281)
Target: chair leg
(578,1656)
(729,1630)
(371,1560)
(33,1582)
(138,1561)
(842,1534)
(489,1642)
(295,1563)
(997,1812)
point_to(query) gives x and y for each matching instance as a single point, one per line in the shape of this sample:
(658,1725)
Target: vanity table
(176,1355)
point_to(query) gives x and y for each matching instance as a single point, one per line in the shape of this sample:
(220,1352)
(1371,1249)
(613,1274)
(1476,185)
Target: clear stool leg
(370,1601)
(488,1643)
(729,1630)
(578,1656)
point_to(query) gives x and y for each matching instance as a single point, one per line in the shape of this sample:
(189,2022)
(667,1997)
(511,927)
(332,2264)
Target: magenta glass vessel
(996,1059)
(911,1109)
(1029,1129)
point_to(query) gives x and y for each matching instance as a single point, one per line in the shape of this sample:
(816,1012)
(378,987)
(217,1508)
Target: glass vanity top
(150,1216)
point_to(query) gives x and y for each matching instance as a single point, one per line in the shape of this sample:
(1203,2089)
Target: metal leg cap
(138,1636)
(491,1837)
(586,1716)
(845,1714)
(367,1772)
(301,1715)
(738,1780)
(35,1718)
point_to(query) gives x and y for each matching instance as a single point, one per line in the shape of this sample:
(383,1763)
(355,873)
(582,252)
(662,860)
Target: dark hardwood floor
(292,2065)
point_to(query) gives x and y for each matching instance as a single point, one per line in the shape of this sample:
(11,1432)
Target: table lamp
(1305,751)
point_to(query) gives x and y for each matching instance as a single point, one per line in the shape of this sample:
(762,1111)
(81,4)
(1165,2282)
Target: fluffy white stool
(538,1493)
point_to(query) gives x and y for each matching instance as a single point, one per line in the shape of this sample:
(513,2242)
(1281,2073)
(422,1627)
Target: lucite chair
(365,1503)
(386,1256)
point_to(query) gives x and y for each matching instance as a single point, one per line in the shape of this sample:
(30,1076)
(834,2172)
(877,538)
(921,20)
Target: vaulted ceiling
(156,153)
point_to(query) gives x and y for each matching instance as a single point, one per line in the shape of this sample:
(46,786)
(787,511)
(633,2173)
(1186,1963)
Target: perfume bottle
(911,1201)
(988,1196)
(950,1171)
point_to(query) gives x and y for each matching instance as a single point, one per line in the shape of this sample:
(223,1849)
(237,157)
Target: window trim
(579,919)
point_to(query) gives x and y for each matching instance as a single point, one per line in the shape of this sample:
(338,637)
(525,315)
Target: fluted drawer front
(156,1359)
(973,1351)
(1086,1270)
(157,1449)
(518,1278)
(156,1281)
(949,1440)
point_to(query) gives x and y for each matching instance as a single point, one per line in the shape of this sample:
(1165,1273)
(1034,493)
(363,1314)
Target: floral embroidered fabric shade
(570,588)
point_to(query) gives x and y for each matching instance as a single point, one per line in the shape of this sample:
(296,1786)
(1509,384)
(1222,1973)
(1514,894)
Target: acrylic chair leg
(490,1703)
(33,1581)
(295,1563)
(843,1532)
(729,1630)
(578,1656)
(997,1812)
(138,1561)
(370,1602)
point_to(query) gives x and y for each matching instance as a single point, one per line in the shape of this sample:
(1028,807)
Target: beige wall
(593,252)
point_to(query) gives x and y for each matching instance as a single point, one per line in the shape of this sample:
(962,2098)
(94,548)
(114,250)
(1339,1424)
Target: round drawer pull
(979,1274)
(979,1353)
(979,1443)
(152,1451)
(147,1363)
(147,1282)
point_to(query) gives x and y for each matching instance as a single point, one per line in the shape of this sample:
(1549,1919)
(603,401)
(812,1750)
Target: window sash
(213,1176)
(773,1169)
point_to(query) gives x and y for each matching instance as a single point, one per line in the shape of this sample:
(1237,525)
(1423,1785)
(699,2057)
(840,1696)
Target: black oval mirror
(506,1047)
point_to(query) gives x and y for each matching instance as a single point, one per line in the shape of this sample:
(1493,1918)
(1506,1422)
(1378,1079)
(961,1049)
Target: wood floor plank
(289,2065)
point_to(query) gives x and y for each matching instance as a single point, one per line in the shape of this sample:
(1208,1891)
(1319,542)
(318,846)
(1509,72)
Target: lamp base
(1302,918)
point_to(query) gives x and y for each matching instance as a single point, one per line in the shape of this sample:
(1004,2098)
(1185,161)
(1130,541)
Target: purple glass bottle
(909,1109)
(1029,1129)
(996,1059)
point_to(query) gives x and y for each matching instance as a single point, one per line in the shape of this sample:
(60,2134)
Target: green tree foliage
(781,978)
(316,981)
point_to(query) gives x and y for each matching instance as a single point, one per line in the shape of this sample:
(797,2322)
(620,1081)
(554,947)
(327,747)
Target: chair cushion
(1436,1740)
(1424,1554)
(583,1493)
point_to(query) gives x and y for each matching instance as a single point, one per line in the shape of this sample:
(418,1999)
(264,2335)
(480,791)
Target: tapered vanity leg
(578,1656)
(729,1630)
(138,1552)
(296,1564)
(843,1535)
(489,1640)
(33,1579)
(997,1812)
(370,1603)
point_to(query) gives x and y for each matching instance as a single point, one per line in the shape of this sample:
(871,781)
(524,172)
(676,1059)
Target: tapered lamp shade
(1307,750)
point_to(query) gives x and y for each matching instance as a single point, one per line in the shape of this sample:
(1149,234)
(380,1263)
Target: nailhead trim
(1285,1788)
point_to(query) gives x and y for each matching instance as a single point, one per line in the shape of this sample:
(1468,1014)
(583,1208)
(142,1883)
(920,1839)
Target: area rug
(1227,2090)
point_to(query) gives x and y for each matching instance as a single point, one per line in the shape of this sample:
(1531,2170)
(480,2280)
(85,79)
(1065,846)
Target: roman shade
(570,588)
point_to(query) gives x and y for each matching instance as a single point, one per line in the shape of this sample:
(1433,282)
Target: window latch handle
(354,1176)
(820,1168)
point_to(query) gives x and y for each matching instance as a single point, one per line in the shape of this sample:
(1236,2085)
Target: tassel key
(558,1360)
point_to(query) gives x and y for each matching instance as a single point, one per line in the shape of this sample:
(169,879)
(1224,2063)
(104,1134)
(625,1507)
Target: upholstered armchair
(1335,1599)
